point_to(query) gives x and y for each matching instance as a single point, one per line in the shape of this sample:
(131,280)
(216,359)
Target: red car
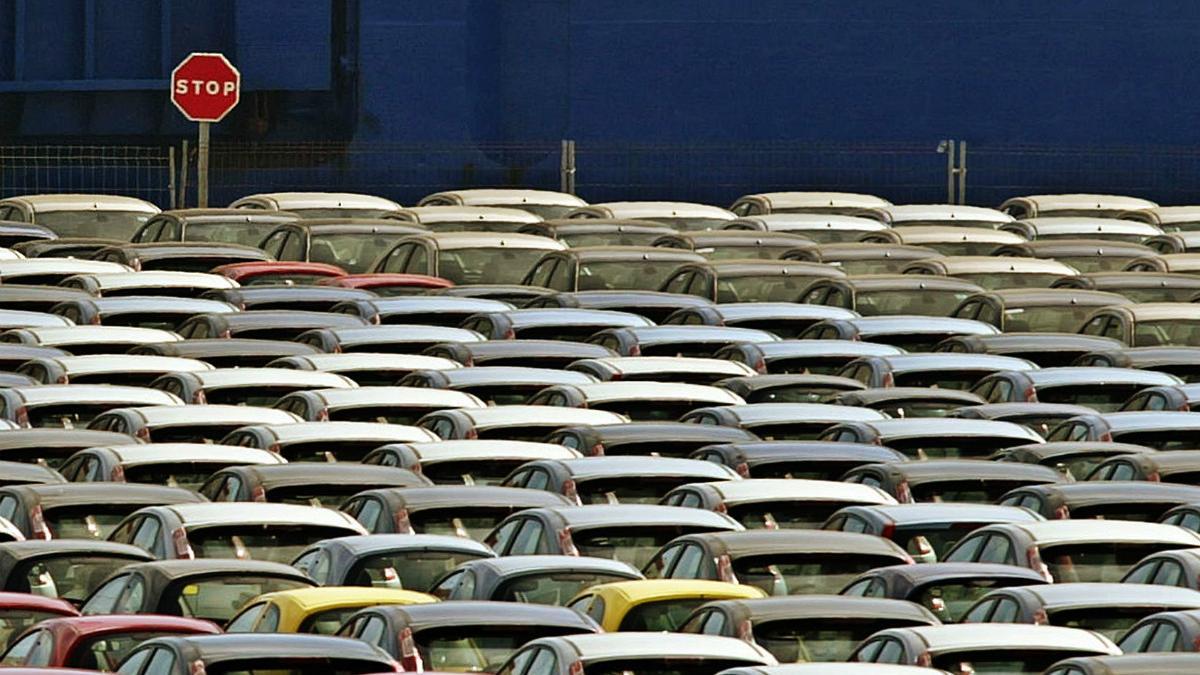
(95,642)
(281,272)
(19,611)
(389,284)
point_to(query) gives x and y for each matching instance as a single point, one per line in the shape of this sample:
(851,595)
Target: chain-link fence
(147,172)
(715,173)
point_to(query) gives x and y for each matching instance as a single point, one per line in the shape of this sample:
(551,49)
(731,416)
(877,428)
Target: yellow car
(315,610)
(653,604)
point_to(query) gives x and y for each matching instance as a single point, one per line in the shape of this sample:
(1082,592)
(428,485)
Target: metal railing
(715,173)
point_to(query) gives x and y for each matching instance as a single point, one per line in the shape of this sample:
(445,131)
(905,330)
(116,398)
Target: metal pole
(171,194)
(949,172)
(183,175)
(567,170)
(202,168)
(962,172)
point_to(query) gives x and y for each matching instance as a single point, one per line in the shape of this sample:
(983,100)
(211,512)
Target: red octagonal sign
(205,87)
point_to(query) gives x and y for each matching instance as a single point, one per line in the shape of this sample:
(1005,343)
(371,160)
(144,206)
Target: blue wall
(368,72)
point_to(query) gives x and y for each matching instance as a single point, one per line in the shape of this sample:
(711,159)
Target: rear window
(277,543)
(92,521)
(327,665)
(970,490)
(1099,397)
(1104,562)
(460,521)
(801,574)
(69,577)
(663,615)
(785,514)
(663,666)
(218,598)
(928,302)
(105,652)
(998,660)
(634,545)
(414,570)
(826,639)
(550,589)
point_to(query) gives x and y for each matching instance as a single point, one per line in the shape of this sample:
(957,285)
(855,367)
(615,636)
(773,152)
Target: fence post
(946,148)
(183,175)
(171,177)
(567,167)
(962,172)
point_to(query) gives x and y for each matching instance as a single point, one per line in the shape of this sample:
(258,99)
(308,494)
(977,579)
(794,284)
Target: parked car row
(509,431)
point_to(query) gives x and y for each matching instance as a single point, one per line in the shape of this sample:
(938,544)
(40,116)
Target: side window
(293,247)
(1136,639)
(1115,329)
(1095,326)
(563,278)
(978,614)
(997,550)
(132,599)
(869,651)
(1142,574)
(168,232)
(504,535)
(147,535)
(1154,402)
(677,283)
(104,599)
(135,662)
(854,524)
(892,652)
(371,631)
(714,624)
(369,514)
(1169,574)
(663,562)
(273,244)
(1164,638)
(244,621)
(967,549)
(518,664)
(22,651)
(867,588)
(541,273)
(1122,471)
(528,540)
(1006,612)
(394,260)
(418,263)
(544,663)
(689,564)
(1002,393)
(230,489)
(537,479)
(162,663)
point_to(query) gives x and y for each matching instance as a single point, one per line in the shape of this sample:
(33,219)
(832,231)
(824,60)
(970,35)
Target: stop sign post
(205,87)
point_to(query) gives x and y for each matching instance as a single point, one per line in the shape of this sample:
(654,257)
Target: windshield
(550,589)
(93,521)
(462,521)
(94,224)
(609,239)
(631,489)
(351,251)
(1160,439)
(644,275)
(474,649)
(1011,280)
(69,577)
(787,515)
(828,639)
(230,232)
(1103,561)
(1101,397)
(283,278)
(104,653)
(972,490)
(1001,660)
(634,544)
(1172,332)
(277,543)
(190,475)
(218,598)
(1111,622)
(661,615)
(413,570)
(1049,319)
(387,414)
(490,265)
(927,301)
(761,288)
(806,573)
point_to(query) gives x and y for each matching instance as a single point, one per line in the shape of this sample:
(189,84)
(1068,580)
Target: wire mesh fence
(137,171)
(720,173)
(715,173)
(1168,175)
(402,172)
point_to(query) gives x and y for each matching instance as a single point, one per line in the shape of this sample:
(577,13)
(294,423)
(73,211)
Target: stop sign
(205,87)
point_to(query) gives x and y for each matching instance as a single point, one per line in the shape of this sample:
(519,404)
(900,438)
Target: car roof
(1065,595)
(183,415)
(212,649)
(468,612)
(447,241)
(593,648)
(522,318)
(967,469)
(85,202)
(1051,377)
(1053,532)
(1083,200)
(633,365)
(629,390)
(885,282)
(163,278)
(1156,663)
(982,264)
(760,542)
(331,473)
(505,415)
(910,212)
(207,514)
(510,196)
(153,453)
(66,494)
(653,209)
(931,512)
(487,375)
(805,199)
(71,335)
(52,437)
(586,468)
(785,348)
(932,573)
(1052,225)
(80,393)
(392,395)
(603,515)
(966,636)
(1107,492)
(949,426)
(882,325)
(952,360)
(777,608)
(622,253)
(930,234)
(1163,311)
(133,363)
(363,544)
(770,489)
(481,449)
(1150,420)
(861,397)
(288,201)
(437,496)
(315,599)
(234,377)
(310,431)
(521,564)
(649,590)
(1029,297)
(434,213)
(737,311)
(783,222)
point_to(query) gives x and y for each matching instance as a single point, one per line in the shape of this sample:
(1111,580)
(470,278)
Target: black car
(410,561)
(53,446)
(666,439)
(535,579)
(296,297)
(81,510)
(1109,500)
(466,511)
(1045,349)
(817,460)
(227,352)
(1073,458)
(528,353)
(653,305)
(63,568)
(946,589)
(258,652)
(306,483)
(950,480)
